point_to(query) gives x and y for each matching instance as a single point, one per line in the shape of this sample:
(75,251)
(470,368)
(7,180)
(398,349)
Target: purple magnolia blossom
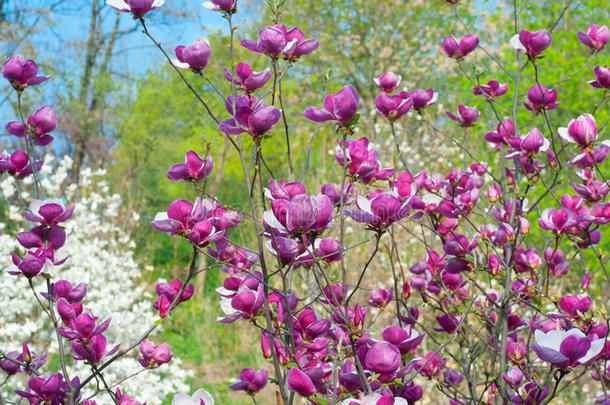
(48,212)
(504,132)
(139,8)
(22,73)
(47,388)
(38,126)
(380,209)
(540,98)
(383,358)
(388,81)
(275,41)
(590,158)
(361,160)
(581,131)
(466,116)
(250,116)
(513,377)
(246,304)
(301,214)
(595,38)
(393,106)
(531,43)
(423,98)
(194,56)
(227,6)
(299,382)
(493,88)
(333,191)
(194,168)
(406,340)
(37,261)
(41,237)
(557,221)
(93,350)
(457,50)
(565,349)
(329,250)
(246,78)
(154,356)
(84,327)
(575,305)
(602,77)
(531,144)
(380,298)
(340,107)
(180,217)
(168,292)
(284,191)
(251,381)
(17,164)
(125,399)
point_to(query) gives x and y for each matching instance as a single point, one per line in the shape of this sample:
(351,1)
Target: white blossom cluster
(101,256)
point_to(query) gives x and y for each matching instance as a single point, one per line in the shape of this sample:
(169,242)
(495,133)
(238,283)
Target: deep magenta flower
(531,43)
(493,88)
(340,107)
(329,250)
(251,381)
(531,144)
(565,349)
(300,382)
(180,217)
(406,340)
(47,388)
(139,8)
(361,160)
(393,106)
(168,292)
(423,98)
(84,327)
(227,6)
(154,356)
(575,305)
(379,210)
(284,191)
(22,73)
(457,50)
(540,98)
(40,237)
(275,41)
(504,132)
(466,116)
(17,164)
(38,126)
(333,191)
(602,78)
(194,56)
(581,131)
(380,298)
(94,350)
(194,168)
(513,377)
(301,214)
(48,212)
(557,221)
(125,399)
(383,358)
(388,81)
(248,79)
(595,38)
(250,116)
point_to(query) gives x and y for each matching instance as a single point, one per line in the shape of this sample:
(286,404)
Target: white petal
(272,221)
(158,3)
(203,395)
(364,204)
(210,6)
(514,41)
(180,65)
(161,216)
(565,135)
(118,4)
(594,350)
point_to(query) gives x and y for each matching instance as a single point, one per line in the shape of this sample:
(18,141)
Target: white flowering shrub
(101,256)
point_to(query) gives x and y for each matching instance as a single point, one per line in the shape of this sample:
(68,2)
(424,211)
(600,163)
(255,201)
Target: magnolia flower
(575,304)
(227,6)
(92,350)
(300,382)
(531,43)
(154,356)
(194,56)
(180,217)
(565,349)
(453,49)
(602,78)
(139,8)
(504,132)
(388,81)
(250,116)
(531,144)
(595,38)
(301,214)
(251,381)
(38,126)
(340,107)
(379,210)
(557,221)
(21,73)
(194,168)
(199,397)
(393,107)
(48,212)
(466,116)
(360,156)
(493,88)
(423,98)
(17,164)
(248,79)
(275,41)
(540,98)
(405,340)
(582,131)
